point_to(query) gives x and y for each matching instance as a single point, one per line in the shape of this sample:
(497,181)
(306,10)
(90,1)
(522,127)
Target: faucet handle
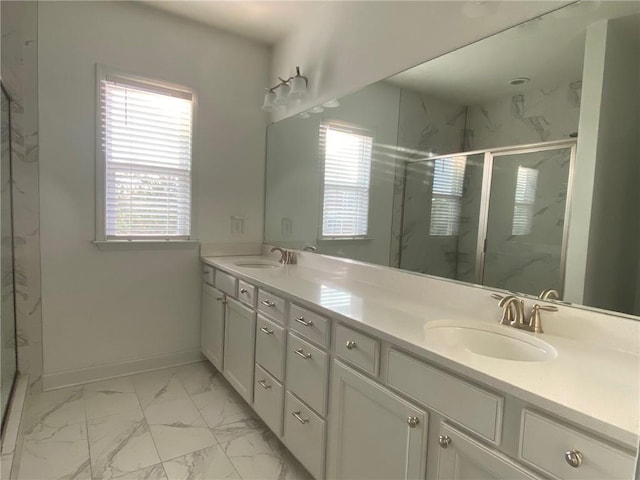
(535,322)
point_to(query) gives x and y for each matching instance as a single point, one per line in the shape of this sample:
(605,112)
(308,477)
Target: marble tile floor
(174,424)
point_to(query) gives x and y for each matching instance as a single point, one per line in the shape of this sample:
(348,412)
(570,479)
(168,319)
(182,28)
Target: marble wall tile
(207,464)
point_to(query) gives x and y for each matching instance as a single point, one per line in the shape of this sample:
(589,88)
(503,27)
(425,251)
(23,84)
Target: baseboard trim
(52,381)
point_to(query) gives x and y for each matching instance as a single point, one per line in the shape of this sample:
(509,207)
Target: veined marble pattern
(182,423)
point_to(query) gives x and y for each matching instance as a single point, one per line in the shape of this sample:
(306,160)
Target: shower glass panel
(524,249)
(7,307)
(442,199)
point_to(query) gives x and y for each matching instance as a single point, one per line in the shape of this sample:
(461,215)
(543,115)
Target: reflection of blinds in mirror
(347,172)
(147,143)
(526,185)
(446,201)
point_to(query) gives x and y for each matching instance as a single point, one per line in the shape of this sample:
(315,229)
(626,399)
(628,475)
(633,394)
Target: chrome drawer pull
(574,458)
(243,290)
(413,421)
(264,384)
(266,330)
(268,303)
(306,323)
(444,441)
(301,353)
(299,417)
(221,300)
(351,344)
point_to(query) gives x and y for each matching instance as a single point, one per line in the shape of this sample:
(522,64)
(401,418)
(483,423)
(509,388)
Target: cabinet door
(463,458)
(239,348)
(373,433)
(212,325)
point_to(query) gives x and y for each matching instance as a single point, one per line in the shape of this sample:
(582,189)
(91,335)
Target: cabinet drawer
(304,433)
(246,293)
(474,408)
(270,346)
(544,443)
(225,282)
(271,305)
(207,274)
(358,349)
(309,325)
(268,400)
(307,370)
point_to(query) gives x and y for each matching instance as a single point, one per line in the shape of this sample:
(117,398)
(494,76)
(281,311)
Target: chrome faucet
(549,294)
(287,257)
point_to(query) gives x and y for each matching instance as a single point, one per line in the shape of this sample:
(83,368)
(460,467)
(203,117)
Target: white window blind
(525,196)
(446,199)
(347,172)
(146,142)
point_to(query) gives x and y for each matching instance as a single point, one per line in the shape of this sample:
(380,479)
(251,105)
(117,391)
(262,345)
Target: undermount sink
(257,264)
(497,341)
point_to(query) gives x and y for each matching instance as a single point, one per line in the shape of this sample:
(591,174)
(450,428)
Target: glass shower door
(7,307)
(525,230)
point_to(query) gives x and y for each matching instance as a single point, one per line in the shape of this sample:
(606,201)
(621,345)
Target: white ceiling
(546,50)
(265,21)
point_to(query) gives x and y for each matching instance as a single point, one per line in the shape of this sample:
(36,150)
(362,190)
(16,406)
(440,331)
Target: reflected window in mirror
(347,173)
(525,197)
(446,201)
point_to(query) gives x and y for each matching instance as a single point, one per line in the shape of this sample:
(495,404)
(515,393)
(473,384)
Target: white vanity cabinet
(212,324)
(239,348)
(464,458)
(373,433)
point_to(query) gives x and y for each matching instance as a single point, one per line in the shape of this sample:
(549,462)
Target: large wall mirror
(512,163)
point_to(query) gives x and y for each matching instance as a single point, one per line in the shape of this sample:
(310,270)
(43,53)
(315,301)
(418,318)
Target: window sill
(346,239)
(110,245)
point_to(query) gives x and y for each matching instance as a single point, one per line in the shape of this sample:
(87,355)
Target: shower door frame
(5,412)
(489,156)
(483,216)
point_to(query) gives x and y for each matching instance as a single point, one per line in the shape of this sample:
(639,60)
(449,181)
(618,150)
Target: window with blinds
(146,146)
(446,199)
(525,197)
(347,173)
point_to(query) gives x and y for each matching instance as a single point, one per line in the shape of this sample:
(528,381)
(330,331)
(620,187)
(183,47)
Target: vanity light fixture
(293,88)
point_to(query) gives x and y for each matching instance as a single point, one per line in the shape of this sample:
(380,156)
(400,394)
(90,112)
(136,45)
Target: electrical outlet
(237,225)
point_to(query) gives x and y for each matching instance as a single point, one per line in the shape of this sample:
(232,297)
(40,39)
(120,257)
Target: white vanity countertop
(593,386)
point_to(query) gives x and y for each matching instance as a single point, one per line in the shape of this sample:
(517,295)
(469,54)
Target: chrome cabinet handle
(306,323)
(351,345)
(301,353)
(574,458)
(264,384)
(268,303)
(444,441)
(299,417)
(243,290)
(413,421)
(221,300)
(266,330)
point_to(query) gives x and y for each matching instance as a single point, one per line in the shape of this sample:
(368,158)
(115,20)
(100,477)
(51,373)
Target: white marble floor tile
(207,464)
(198,377)
(230,431)
(120,444)
(222,405)
(110,397)
(177,428)
(56,408)
(154,472)
(261,456)
(56,453)
(158,386)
